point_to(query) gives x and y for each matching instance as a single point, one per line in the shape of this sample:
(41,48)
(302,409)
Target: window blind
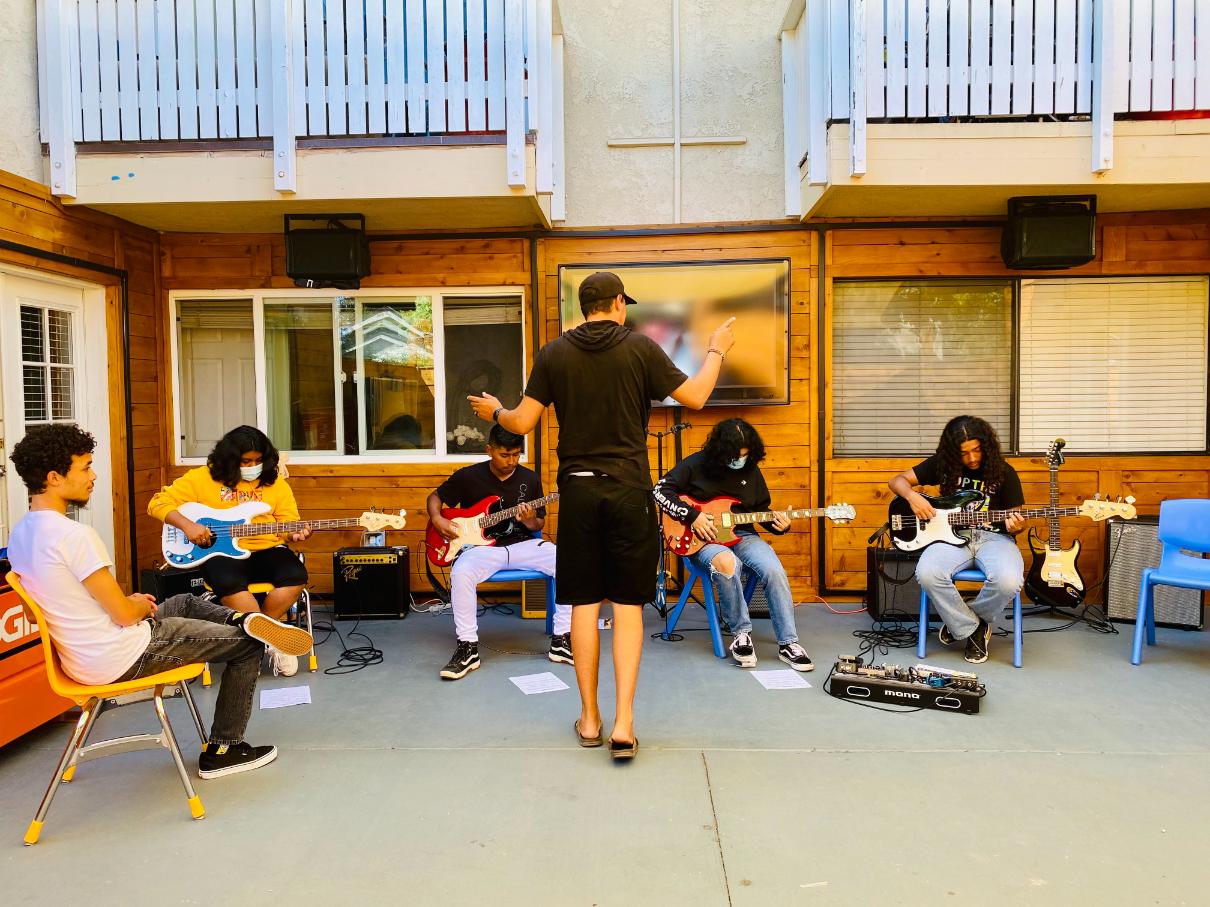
(1114,364)
(908,355)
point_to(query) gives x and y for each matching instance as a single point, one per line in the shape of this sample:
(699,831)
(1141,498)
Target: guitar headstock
(1054,453)
(1102,509)
(840,513)
(373,521)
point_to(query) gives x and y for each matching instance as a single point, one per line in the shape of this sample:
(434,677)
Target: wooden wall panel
(31,217)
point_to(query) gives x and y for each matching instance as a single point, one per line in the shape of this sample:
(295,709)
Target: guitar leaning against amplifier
(233,523)
(470,522)
(680,538)
(1054,576)
(909,533)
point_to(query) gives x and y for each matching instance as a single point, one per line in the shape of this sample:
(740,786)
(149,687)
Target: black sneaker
(977,643)
(217,760)
(742,650)
(560,649)
(944,636)
(465,660)
(795,656)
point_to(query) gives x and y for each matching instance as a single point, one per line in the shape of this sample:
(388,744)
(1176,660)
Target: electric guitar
(680,539)
(909,533)
(1054,576)
(471,521)
(229,525)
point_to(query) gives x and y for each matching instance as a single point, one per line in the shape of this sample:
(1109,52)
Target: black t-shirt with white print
(1003,497)
(471,484)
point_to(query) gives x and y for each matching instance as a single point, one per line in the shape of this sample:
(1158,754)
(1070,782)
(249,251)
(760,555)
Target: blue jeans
(996,554)
(758,556)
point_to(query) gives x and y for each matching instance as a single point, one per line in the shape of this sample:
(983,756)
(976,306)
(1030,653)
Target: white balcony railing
(913,60)
(180,70)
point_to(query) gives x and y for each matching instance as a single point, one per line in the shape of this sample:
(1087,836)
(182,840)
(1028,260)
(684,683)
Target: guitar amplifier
(1131,545)
(892,592)
(370,583)
(168,581)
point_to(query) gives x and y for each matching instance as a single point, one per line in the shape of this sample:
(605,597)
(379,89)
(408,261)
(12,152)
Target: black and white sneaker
(795,656)
(465,660)
(978,642)
(944,636)
(560,649)
(218,760)
(742,650)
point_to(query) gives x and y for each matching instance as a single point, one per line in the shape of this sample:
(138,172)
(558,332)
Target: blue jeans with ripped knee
(758,556)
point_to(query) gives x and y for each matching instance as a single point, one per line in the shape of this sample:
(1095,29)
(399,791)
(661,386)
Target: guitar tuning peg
(1097,496)
(1129,499)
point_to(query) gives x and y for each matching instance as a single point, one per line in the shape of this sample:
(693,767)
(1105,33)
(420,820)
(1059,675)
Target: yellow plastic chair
(304,606)
(92,701)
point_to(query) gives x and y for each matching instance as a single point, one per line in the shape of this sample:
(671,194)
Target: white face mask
(738,464)
(251,473)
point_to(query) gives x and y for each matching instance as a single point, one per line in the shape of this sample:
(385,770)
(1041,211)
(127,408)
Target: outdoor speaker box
(892,592)
(1048,232)
(335,254)
(533,598)
(1131,545)
(370,583)
(167,582)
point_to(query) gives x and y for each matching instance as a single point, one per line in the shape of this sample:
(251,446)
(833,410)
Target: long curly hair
(223,461)
(958,431)
(724,443)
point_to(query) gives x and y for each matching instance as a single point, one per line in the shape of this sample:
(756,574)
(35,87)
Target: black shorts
(609,543)
(279,566)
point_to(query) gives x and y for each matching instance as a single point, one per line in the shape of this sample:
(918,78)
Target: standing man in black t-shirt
(601,378)
(519,543)
(968,458)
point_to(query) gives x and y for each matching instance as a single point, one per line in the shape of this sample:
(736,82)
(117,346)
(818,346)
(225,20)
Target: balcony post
(857,88)
(819,95)
(514,92)
(60,111)
(285,174)
(541,78)
(1104,17)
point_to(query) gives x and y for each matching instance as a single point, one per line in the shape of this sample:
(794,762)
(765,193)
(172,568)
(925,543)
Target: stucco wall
(20,150)
(618,84)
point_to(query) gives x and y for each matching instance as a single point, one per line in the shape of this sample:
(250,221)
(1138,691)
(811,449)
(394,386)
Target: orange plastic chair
(92,701)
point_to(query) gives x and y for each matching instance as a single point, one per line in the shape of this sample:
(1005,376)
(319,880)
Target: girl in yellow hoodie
(242,467)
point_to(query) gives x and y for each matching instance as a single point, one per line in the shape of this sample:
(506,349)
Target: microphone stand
(661,586)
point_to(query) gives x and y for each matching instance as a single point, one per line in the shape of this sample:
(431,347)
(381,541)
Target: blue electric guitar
(228,526)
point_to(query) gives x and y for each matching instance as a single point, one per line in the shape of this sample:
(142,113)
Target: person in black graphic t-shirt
(968,458)
(601,378)
(517,547)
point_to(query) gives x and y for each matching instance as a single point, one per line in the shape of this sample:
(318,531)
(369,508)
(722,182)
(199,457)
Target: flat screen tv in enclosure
(679,305)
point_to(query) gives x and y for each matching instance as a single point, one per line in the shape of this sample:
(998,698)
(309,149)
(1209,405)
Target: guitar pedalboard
(922,686)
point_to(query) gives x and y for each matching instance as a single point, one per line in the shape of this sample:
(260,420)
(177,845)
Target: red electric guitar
(471,521)
(680,538)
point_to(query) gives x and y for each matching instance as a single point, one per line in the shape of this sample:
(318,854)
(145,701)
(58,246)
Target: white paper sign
(781,680)
(284,696)
(539,683)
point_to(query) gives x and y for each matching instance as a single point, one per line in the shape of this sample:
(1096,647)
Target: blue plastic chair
(516,575)
(697,573)
(1183,524)
(970,575)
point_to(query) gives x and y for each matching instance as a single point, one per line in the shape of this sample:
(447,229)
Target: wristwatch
(496,414)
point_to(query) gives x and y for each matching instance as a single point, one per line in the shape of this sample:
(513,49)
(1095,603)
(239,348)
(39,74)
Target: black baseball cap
(602,285)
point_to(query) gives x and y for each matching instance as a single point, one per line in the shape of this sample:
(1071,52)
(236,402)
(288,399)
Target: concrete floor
(1083,781)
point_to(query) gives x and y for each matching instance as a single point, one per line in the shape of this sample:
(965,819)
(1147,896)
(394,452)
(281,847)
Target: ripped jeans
(758,556)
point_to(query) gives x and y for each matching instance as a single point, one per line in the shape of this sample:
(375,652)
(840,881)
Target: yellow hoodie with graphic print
(196,486)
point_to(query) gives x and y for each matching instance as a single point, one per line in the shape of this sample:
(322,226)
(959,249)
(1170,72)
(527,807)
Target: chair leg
(1017,630)
(195,802)
(72,763)
(312,662)
(675,614)
(550,606)
(1141,622)
(923,630)
(206,681)
(88,715)
(1151,615)
(716,635)
(193,712)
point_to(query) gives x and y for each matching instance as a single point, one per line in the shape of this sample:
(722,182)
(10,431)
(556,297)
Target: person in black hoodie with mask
(601,378)
(728,465)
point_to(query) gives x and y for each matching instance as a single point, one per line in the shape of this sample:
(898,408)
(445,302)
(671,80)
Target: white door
(54,368)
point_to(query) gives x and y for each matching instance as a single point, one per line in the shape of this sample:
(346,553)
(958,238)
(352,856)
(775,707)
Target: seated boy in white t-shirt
(103,636)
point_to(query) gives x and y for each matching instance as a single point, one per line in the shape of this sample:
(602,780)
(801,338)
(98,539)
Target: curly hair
(724,443)
(223,461)
(959,430)
(49,448)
